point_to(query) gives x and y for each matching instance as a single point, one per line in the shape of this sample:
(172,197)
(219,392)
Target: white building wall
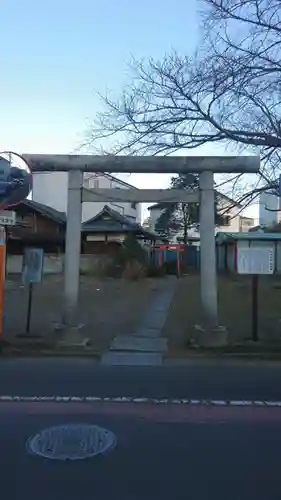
(51,189)
(271,201)
(153,217)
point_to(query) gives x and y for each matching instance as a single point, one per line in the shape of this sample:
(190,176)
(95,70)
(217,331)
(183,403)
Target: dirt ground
(107,307)
(235,309)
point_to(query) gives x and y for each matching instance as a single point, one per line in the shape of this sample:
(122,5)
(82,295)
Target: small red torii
(178,247)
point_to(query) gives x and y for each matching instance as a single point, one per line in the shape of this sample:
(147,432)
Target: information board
(32,265)
(255,260)
(7,218)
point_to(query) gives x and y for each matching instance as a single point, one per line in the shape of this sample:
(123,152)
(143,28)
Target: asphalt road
(159,454)
(168,450)
(84,377)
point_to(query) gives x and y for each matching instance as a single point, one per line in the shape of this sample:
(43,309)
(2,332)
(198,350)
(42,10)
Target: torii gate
(75,165)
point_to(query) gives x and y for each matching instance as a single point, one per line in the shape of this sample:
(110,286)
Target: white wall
(53,264)
(246,223)
(153,217)
(126,209)
(51,189)
(268,200)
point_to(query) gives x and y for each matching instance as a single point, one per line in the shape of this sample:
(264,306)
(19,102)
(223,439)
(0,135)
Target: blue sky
(55,55)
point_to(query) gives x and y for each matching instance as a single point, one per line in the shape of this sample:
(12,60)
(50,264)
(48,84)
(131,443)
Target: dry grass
(107,307)
(234,309)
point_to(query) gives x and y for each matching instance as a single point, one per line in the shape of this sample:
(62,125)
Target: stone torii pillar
(205,166)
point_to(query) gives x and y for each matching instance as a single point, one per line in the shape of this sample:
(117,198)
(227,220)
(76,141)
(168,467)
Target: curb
(46,353)
(267,356)
(9,352)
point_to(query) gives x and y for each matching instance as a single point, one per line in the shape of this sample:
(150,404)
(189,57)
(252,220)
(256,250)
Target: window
(226,220)
(94,183)
(133,206)
(247,223)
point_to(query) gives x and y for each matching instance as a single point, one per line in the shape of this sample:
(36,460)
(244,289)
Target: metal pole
(29,306)
(72,248)
(209,300)
(255,300)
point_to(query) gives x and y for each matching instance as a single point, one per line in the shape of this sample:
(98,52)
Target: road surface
(164,449)
(204,380)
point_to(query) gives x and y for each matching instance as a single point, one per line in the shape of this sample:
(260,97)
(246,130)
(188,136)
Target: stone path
(144,346)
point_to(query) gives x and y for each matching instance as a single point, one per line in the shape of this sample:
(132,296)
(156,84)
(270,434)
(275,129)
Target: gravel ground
(107,307)
(235,309)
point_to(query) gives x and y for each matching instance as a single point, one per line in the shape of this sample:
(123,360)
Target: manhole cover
(71,442)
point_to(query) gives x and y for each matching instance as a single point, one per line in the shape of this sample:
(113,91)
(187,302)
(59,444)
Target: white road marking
(134,400)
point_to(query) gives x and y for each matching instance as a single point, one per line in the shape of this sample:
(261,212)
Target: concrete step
(134,343)
(145,331)
(131,359)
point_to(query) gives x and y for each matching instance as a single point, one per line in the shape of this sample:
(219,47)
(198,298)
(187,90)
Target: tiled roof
(111,221)
(44,210)
(47,211)
(252,236)
(106,221)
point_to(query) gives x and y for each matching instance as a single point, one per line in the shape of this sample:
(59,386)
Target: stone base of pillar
(210,337)
(71,336)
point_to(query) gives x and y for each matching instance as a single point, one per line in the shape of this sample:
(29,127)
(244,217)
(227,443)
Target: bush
(99,269)
(134,270)
(131,250)
(131,258)
(154,271)
(170,267)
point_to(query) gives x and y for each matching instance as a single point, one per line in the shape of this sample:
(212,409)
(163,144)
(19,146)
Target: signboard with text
(255,260)
(32,265)
(7,218)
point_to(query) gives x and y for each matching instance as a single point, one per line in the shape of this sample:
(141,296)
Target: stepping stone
(132,359)
(147,332)
(134,343)
(155,320)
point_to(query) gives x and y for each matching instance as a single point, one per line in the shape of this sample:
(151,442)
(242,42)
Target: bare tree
(228,93)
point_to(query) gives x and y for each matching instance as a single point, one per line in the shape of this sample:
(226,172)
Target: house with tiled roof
(50,189)
(40,225)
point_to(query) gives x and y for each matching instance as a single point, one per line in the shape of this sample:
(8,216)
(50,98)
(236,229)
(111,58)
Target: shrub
(133,270)
(154,271)
(130,250)
(131,258)
(170,267)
